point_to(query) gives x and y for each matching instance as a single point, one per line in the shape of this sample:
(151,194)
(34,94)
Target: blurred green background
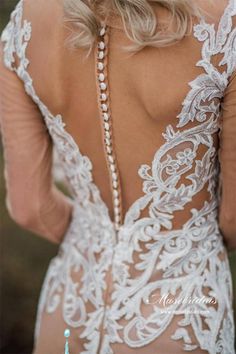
(23,263)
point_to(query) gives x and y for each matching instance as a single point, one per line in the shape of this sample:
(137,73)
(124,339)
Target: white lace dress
(131,285)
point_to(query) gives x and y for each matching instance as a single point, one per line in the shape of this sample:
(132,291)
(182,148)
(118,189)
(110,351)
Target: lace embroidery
(188,257)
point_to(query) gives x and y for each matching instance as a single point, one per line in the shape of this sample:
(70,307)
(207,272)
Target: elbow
(227,226)
(48,219)
(22,213)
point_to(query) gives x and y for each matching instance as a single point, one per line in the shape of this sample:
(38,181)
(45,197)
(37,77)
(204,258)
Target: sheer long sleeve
(32,199)
(227,155)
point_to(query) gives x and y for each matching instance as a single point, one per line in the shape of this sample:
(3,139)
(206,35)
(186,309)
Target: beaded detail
(67,335)
(106,120)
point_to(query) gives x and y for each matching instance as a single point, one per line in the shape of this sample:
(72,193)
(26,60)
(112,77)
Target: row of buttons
(104,104)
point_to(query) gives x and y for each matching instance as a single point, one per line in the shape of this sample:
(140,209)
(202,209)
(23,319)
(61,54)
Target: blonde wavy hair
(138,17)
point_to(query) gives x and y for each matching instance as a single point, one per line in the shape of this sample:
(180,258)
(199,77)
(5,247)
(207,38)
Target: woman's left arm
(33,200)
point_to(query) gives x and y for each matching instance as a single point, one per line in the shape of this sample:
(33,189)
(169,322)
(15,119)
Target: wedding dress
(142,265)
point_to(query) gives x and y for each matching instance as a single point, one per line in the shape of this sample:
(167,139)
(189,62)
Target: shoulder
(215,9)
(43,14)
(40,10)
(219,14)
(40,13)
(29,18)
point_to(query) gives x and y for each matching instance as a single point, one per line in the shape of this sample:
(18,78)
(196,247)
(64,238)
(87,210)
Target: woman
(139,100)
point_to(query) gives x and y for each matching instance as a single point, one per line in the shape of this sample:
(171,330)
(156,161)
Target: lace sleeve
(227,156)
(32,200)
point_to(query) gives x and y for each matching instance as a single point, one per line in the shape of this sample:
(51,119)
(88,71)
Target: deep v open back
(139,146)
